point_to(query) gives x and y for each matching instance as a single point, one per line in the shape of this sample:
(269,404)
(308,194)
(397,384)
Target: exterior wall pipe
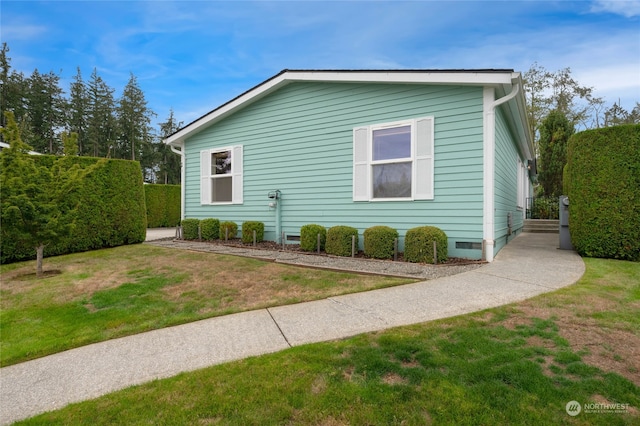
(489,148)
(278,201)
(180,152)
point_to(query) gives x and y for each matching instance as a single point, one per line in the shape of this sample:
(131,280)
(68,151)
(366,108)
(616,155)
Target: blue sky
(193,56)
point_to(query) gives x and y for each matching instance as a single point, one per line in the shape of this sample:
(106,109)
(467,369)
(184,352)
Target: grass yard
(110,293)
(519,364)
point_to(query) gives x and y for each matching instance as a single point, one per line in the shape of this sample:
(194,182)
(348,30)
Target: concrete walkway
(154,234)
(529,265)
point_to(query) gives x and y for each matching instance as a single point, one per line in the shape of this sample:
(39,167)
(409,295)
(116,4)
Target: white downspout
(489,148)
(180,152)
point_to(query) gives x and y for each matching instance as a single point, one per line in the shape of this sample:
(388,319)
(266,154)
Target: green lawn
(519,364)
(110,293)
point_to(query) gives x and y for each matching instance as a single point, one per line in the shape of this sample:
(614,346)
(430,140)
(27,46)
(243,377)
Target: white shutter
(236,170)
(423,188)
(361,164)
(205,177)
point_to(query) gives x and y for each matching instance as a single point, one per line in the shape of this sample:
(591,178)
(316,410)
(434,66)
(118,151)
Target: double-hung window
(221,175)
(393,161)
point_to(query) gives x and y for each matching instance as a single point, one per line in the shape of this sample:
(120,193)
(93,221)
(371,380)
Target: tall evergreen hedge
(163,205)
(602,180)
(111,211)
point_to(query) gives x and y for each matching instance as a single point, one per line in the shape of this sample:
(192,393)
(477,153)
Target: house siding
(506,188)
(298,139)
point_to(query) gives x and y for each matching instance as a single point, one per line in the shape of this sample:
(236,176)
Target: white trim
(489,147)
(362,169)
(235,174)
(183,159)
(489,105)
(473,78)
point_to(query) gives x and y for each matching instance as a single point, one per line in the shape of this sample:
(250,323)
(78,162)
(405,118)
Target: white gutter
(489,149)
(180,152)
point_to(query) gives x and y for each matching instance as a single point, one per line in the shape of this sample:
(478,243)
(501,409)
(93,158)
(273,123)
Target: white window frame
(422,160)
(206,177)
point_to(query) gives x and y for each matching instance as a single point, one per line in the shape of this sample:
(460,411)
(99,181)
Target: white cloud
(628,9)
(20,32)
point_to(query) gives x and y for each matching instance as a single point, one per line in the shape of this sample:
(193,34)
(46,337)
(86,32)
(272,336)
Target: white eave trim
(471,77)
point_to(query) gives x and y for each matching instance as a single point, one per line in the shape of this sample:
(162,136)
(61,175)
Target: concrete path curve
(529,265)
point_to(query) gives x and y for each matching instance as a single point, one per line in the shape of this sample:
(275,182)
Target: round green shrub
(602,177)
(379,242)
(418,244)
(309,237)
(339,240)
(247,231)
(231,226)
(210,229)
(190,229)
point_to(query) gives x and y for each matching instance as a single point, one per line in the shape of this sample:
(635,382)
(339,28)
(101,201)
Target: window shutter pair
(236,173)
(423,165)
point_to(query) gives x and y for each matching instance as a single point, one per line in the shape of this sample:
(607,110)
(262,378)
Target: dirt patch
(609,349)
(394,379)
(319,385)
(539,342)
(33,276)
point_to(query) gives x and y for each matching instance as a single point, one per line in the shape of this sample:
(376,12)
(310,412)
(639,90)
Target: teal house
(402,148)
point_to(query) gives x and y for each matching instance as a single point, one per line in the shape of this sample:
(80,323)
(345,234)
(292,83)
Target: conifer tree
(37,203)
(555,132)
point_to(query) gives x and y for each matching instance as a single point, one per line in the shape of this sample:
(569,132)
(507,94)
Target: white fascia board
(473,78)
(417,77)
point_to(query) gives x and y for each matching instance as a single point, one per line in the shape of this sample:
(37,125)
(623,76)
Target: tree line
(558,106)
(120,127)
(106,125)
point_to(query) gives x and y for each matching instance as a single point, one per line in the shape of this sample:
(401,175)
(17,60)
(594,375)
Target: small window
(394,161)
(221,176)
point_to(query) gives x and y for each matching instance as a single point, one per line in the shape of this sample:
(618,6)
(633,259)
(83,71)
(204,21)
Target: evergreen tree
(13,90)
(554,135)
(168,161)
(617,115)
(134,119)
(546,91)
(101,121)
(78,112)
(37,204)
(45,107)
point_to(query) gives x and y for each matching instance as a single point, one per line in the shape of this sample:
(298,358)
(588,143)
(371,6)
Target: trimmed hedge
(190,229)
(379,242)
(309,237)
(111,211)
(210,229)
(602,179)
(339,240)
(418,244)
(231,226)
(163,205)
(247,231)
